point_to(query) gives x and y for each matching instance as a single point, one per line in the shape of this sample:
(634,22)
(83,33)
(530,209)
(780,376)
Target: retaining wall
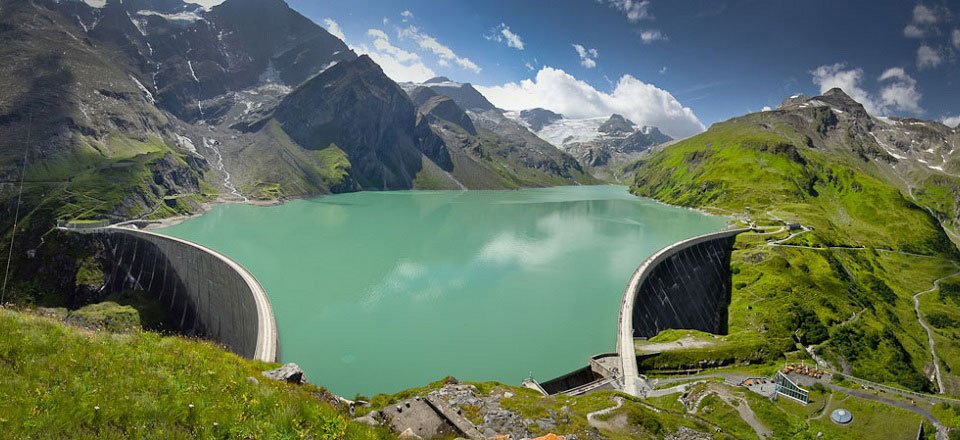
(207,294)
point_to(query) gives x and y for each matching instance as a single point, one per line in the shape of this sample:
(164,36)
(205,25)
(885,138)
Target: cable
(16,215)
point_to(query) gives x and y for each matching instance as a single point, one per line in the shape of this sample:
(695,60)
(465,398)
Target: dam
(206,293)
(685,285)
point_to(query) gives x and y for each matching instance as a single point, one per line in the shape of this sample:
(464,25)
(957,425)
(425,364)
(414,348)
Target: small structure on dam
(206,293)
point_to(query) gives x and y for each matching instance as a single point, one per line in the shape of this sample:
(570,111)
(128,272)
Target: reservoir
(382,291)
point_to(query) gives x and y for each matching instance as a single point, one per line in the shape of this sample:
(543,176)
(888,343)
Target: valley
(227,220)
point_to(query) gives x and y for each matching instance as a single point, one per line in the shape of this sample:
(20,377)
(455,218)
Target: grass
(143,383)
(855,303)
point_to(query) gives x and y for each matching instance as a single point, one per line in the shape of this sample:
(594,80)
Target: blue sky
(675,63)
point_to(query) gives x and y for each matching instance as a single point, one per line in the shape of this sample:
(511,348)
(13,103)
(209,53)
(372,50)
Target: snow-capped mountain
(595,142)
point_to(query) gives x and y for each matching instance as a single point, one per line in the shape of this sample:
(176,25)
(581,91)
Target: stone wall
(206,293)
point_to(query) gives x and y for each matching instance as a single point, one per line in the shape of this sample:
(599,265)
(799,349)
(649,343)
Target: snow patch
(185,16)
(192,72)
(143,89)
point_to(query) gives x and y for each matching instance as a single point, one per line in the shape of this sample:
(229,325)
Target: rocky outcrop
(287,373)
(537,118)
(467,97)
(616,125)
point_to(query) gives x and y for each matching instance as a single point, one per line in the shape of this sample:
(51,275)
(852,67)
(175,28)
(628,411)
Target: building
(789,388)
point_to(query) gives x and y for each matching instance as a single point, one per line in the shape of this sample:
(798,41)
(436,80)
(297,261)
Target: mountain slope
(844,286)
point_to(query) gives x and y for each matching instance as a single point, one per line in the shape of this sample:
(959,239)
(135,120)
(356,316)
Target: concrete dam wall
(206,293)
(683,286)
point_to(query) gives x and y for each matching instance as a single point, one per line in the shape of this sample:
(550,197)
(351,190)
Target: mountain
(876,198)
(467,97)
(144,109)
(490,150)
(601,145)
(537,118)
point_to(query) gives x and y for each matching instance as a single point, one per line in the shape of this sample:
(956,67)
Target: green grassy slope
(854,304)
(55,375)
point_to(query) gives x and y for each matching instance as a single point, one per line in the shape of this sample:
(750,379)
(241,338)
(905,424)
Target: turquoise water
(382,291)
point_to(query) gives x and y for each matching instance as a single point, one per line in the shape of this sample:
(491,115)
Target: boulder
(408,434)
(367,420)
(288,373)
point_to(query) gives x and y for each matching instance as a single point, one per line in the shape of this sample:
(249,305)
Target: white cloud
(837,75)
(663,70)
(928,57)
(334,29)
(924,15)
(635,10)
(956,38)
(561,92)
(924,21)
(952,121)
(431,44)
(588,57)
(766,108)
(652,35)
(382,43)
(398,64)
(407,15)
(513,40)
(898,94)
(503,34)
(529,66)
(913,31)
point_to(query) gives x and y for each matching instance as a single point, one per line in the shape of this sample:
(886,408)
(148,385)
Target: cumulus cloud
(431,44)
(900,91)
(924,15)
(503,34)
(406,15)
(848,80)
(897,94)
(400,65)
(928,57)
(766,108)
(334,29)
(913,31)
(663,70)
(558,91)
(635,10)
(956,38)
(952,121)
(652,35)
(588,57)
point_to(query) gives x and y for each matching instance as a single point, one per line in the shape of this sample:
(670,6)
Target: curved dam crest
(683,286)
(206,293)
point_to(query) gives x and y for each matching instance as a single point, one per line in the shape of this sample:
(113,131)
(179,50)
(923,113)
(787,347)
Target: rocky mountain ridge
(601,145)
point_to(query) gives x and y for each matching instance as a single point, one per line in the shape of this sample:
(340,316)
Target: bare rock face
(537,118)
(288,373)
(616,124)
(355,106)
